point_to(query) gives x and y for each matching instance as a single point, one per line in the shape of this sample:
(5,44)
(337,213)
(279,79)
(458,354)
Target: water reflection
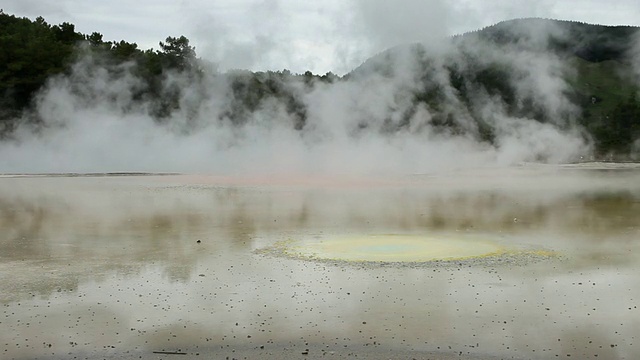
(115,263)
(113,223)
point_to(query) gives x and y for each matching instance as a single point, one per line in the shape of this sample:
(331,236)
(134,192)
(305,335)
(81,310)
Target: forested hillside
(590,71)
(570,76)
(33,52)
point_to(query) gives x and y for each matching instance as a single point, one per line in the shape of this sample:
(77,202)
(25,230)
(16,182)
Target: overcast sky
(300,35)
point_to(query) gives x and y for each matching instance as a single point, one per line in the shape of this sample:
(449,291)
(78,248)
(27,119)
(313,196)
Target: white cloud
(365,125)
(331,35)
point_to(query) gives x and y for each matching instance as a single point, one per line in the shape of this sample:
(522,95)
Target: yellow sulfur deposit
(395,248)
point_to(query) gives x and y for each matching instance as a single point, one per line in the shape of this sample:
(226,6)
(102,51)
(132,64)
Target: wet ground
(163,267)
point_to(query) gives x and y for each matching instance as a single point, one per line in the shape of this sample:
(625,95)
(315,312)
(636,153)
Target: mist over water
(111,267)
(122,266)
(366,124)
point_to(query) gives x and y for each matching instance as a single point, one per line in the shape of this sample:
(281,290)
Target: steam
(366,124)
(234,48)
(388,24)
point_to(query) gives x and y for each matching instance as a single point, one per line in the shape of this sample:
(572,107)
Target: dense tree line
(32,52)
(601,84)
(623,127)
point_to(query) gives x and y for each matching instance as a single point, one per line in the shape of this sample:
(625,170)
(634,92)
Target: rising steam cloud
(92,123)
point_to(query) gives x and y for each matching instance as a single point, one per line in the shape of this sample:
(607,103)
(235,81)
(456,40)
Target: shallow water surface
(122,267)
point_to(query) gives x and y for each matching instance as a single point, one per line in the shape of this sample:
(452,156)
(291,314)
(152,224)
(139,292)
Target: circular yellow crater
(395,248)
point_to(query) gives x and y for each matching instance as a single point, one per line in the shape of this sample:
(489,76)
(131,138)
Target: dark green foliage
(177,54)
(33,52)
(66,33)
(250,91)
(621,128)
(599,89)
(30,53)
(593,43)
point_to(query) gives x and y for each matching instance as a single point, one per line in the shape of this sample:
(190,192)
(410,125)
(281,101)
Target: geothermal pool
(424,266)
(394,248)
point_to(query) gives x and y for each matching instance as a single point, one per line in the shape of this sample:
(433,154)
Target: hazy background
(319,36)
(110,267)
(91,123)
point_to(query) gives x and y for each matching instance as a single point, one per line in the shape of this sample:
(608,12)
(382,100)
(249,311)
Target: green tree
(66,33)
(95,39)
(177,53)
(622,127)
(124,51)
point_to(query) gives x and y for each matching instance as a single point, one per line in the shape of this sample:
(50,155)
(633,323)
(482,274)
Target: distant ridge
(594,64)
(566,80)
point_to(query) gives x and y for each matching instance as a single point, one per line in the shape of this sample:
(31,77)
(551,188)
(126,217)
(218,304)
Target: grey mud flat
(155,267)
(286,352)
